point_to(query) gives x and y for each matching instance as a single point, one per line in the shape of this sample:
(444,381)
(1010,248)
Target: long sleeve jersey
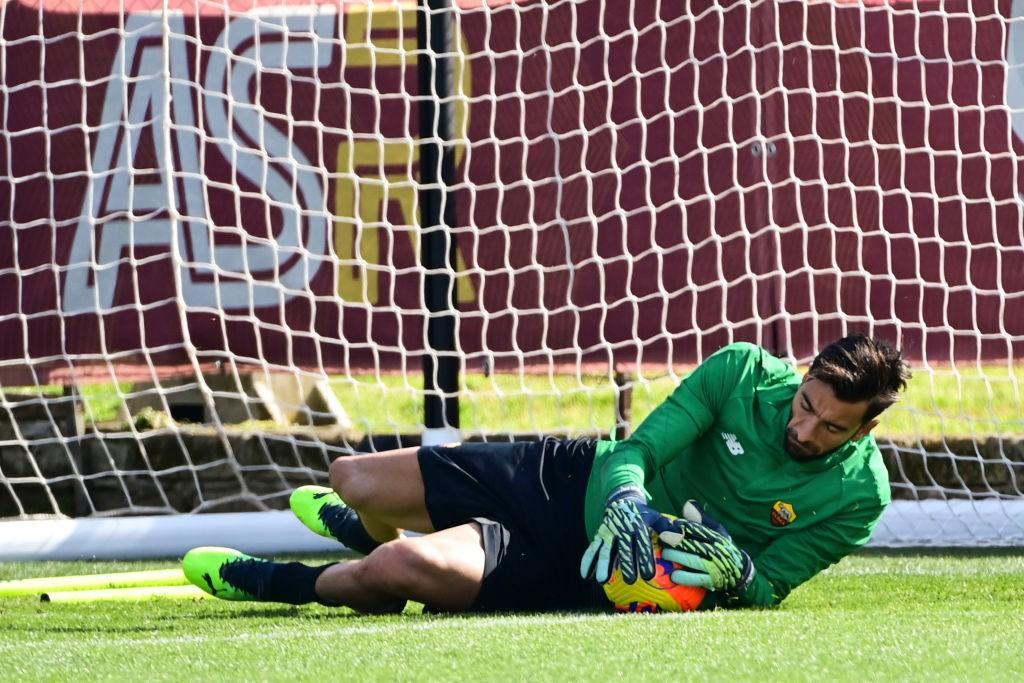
(719,439)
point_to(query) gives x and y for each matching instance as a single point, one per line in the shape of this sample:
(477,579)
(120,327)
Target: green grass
(873,617)
(972,401)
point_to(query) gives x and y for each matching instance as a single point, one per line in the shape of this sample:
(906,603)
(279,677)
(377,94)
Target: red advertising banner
(632,187)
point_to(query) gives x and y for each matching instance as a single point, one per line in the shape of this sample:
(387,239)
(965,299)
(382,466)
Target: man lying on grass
(781,475)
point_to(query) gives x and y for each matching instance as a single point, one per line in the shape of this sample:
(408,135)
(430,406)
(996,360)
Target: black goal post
(441,363)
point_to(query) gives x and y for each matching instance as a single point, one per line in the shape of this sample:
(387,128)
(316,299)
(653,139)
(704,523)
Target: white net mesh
(210,233)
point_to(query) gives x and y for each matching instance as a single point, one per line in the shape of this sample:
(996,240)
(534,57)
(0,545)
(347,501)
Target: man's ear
(864,430)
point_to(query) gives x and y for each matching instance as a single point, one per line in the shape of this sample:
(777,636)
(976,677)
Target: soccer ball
(657,595)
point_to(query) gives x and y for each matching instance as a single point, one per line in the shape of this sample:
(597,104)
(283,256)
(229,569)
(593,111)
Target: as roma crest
(783,513)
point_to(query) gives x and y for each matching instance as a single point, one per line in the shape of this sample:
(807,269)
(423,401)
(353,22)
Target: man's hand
(705,548)
(624,536)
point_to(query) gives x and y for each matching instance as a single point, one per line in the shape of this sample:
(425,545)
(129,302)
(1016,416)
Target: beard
(798,450)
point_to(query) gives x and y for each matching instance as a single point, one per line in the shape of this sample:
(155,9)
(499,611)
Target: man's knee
(394,475)
(443,569)
(351,482)
(403,566)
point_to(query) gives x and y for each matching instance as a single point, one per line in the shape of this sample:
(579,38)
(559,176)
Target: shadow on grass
(415,613)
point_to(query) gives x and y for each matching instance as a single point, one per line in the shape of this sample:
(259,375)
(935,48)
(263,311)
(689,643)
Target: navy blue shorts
(528,498)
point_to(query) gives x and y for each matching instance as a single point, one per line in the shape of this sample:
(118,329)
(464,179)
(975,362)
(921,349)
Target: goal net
(210,236)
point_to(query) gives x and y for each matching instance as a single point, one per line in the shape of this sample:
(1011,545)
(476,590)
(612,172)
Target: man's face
(821,422)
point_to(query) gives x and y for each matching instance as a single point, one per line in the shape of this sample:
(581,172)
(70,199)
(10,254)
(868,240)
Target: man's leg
(386,490)
(444,569)
(372,497)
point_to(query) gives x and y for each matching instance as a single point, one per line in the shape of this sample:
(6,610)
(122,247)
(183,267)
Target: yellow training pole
(127,594)
(157,577)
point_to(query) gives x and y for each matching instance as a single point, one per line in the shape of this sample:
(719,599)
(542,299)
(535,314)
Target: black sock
(344,523)
(294,583)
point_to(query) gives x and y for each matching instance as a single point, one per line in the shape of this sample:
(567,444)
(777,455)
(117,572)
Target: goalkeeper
(774,477)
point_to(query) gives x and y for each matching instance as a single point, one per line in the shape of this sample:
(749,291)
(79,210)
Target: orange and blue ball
(658,594)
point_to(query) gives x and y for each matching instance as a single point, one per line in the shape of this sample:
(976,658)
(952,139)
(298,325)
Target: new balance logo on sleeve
(732,443)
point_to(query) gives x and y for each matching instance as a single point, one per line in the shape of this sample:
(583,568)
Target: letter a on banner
(133,185)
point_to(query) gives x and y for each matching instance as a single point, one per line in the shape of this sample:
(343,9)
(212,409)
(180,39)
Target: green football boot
(227,574)
(325,513)
(317,507)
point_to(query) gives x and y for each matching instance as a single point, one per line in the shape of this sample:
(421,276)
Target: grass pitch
(967,401)
(874,616)
(971,401)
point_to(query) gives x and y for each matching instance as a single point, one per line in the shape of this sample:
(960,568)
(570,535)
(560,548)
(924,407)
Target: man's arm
(796,557)
(679,421)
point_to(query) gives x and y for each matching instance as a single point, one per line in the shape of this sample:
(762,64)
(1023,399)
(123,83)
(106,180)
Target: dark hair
(860,368)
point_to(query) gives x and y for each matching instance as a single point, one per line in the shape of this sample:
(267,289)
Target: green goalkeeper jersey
(720,439)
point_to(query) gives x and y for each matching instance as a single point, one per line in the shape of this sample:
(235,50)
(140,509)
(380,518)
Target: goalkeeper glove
(704,547)
(624,536)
